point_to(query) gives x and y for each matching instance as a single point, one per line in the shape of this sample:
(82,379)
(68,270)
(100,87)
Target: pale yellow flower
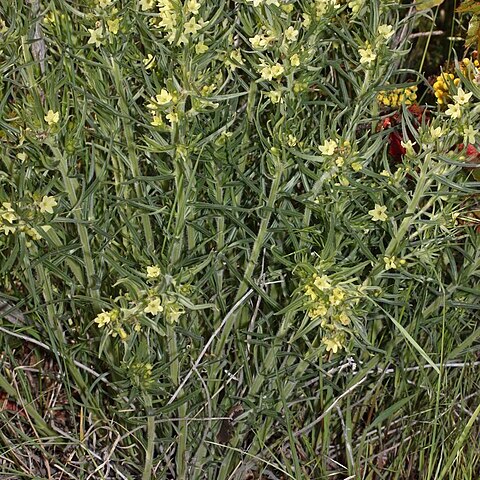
(378,213)
(154,307)
(328,148)
(33,234)
(147,4)
(337,296)
(153,271)
(367,55)
(307,20)
(173,311)
(386,31)
(469,134)
(435,132)
(96,36)
(355,5)
(172,117)
(310,292)
(295,60)
(52,117)
(277,70)
(259,42)
(332,344)
(287,8)
(357,166)
(266,72)
(192,6)
(235,59)
(319,310)
(275,96)
(322,282)
(113,26)
(291,34)
(200,48)
(191,27)
(344,319)
(103,318)
(157,121)
(408,146)
(9,217)
(163,97)
(390,263)
(47,204)
(454,110)
(9,213)
(462,97)
(122,334)
(292,140)
(7,229)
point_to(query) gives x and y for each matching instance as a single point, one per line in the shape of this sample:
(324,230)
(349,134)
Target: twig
(207,345)
(46,347)
(306,429)
(425,34)
(38,42)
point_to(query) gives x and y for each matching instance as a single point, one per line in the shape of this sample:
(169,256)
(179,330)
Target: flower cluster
(333,305)
(163,104)
(339,156)
(443,85)
(270,72)
(470,67)
(262,40)
(370,51)
(258,3)
(130,314)
(398,96)
(21,219)
(107,25)
(140,374)
(113,322)
(461,99)
(322,7)
(392,263)
(170,17)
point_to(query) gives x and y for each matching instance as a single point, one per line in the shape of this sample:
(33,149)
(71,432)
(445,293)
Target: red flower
(395,148)
(473,157)
(395,138)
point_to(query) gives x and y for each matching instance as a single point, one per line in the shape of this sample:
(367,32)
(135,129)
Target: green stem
(176,252)
(71,186)
(241,291)
(48,296)
(270,359)
(147,470)
(219,271)
(132,154)
(423,183)
(59,338)
(257,247)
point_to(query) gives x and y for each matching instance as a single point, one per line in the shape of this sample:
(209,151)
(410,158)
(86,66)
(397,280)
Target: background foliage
(221,184)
